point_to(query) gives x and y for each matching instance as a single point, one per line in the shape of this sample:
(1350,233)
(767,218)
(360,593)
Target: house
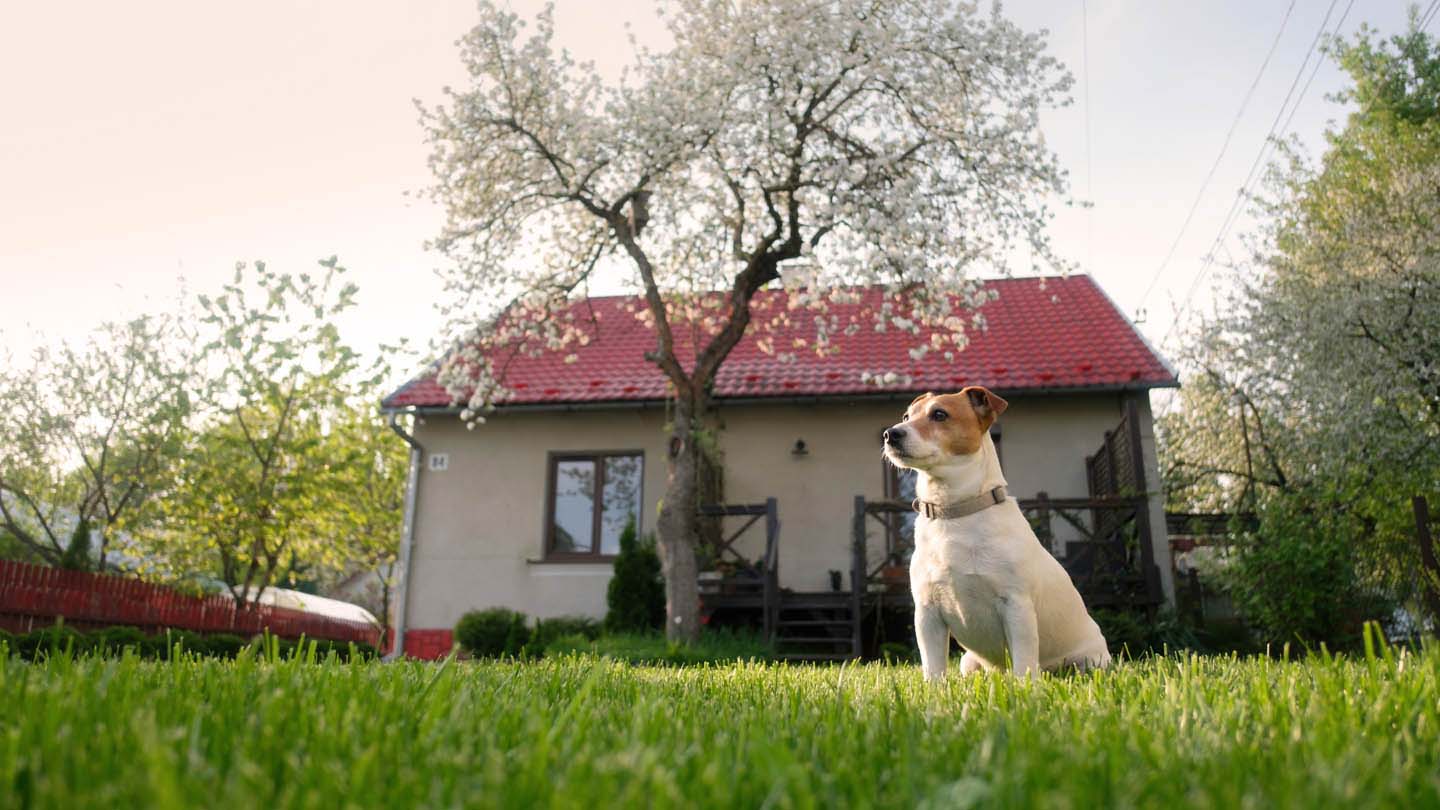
(506,515)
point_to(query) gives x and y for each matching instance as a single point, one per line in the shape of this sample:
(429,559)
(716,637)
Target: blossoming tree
(1315,400)
(816,145)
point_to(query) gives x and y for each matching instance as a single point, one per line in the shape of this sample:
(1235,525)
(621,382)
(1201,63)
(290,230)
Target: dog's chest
(964,575)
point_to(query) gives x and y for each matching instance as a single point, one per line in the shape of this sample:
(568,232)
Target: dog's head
(937,428)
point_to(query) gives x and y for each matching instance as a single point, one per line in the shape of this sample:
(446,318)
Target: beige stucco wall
(479,523)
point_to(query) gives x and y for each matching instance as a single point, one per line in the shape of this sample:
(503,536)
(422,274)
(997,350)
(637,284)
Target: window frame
(553,460)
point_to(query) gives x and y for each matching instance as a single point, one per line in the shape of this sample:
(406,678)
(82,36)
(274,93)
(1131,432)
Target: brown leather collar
(969,506)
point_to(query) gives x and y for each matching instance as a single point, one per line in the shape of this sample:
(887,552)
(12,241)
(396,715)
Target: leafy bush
(636,594)
(1132,634)
(7,640)
(225,645)
(492,633)
(1297,577)
(115,640)
(548,630)
(567,644)
(893,652)
(361,650)
(162,646)
(343,650)
(41,643)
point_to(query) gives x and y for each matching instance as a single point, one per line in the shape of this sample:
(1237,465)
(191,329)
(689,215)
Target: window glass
(620,500)
(574,506)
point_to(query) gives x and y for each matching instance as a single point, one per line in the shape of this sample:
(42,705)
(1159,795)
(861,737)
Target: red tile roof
(1048,334)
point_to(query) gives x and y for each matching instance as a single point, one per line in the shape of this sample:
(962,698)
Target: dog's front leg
(933,638)
(1022,634)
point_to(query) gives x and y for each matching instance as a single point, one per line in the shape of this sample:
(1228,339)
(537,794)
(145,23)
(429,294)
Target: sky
(147,147)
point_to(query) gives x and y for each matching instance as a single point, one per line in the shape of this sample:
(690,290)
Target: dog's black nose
(893,435)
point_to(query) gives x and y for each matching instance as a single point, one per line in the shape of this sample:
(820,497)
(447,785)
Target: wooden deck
(1104,541)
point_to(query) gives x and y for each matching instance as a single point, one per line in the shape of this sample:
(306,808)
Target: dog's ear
(985,402)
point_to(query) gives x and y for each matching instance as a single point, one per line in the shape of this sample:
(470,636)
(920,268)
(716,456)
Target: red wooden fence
(32,597)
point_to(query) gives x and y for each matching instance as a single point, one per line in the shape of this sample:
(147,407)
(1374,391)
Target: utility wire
(1232,215)
(1210,175)
(1429,14)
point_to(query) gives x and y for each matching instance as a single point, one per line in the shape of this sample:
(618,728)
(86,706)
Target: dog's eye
(938,415)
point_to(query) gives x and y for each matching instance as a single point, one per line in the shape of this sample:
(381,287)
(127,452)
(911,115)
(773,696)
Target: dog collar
(969,506)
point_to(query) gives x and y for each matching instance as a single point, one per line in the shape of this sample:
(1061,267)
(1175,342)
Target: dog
(978,571)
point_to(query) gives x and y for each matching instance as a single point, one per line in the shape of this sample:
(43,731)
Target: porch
(1104,539)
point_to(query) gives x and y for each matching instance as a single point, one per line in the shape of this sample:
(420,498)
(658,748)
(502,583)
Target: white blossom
(824,146)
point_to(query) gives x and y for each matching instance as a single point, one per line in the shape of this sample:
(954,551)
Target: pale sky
(149,142)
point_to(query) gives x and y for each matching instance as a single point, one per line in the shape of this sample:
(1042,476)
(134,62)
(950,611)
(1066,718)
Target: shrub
(1132,634)
(115,640)
(1297,577)
(343,650)
(573,643)
(7,640)
(548,630)
(636,594)
(41,643)
(188,642)
(224,645)
(893,652)
(362,650)
(492,633)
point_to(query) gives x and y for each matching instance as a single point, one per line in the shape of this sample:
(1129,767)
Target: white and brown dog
(978,571)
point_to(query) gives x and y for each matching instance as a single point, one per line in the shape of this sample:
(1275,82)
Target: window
(900,486)
(580,526)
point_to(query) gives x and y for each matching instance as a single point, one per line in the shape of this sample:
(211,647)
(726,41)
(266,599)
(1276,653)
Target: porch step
(816,626)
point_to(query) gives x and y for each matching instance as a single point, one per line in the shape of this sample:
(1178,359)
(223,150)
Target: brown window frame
(553,460)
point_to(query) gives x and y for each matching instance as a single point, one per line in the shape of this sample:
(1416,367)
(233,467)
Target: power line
(1210,175)
(1232,215)
(1429,14)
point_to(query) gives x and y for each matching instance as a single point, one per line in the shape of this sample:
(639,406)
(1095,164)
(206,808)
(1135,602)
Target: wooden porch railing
(1110,558)
(1118,467)
(768,584)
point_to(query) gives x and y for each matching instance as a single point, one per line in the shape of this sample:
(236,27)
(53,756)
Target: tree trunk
(677,531)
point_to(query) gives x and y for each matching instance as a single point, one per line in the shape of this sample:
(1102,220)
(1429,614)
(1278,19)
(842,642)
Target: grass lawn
(585,732)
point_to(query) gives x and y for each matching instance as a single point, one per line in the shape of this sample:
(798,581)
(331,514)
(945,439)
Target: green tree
(636,593)
(1316,396)
(91,432)
(367,515)
(263,478)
